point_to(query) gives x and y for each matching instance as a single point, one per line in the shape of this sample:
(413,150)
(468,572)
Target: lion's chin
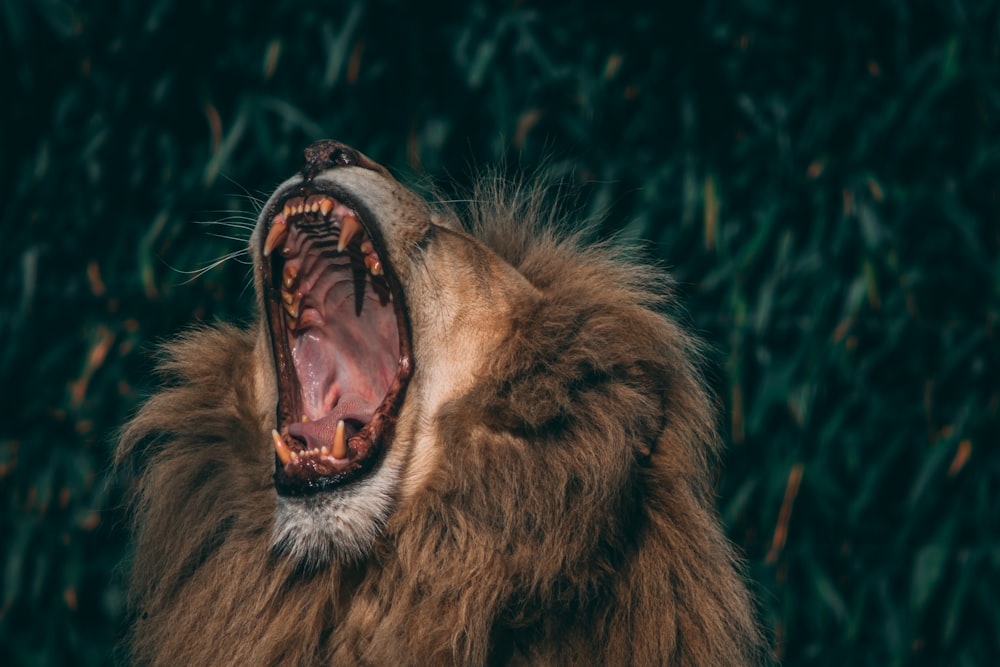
(340,525)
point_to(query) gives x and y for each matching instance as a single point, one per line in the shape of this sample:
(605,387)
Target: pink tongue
(317,434)
(345,361)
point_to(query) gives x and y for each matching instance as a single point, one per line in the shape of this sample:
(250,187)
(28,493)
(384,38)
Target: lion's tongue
(344,368)
(320,433)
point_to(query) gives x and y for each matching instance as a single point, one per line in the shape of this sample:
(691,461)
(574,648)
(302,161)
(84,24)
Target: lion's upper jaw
(458,302)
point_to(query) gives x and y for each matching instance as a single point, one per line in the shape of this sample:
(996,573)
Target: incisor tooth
(326,206)
(277,234)
(349,227)
(339,449)
(280,448)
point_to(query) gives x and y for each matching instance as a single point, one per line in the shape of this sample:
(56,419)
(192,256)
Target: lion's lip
(339,337)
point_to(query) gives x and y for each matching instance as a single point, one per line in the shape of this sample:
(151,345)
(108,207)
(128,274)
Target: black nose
(328,154)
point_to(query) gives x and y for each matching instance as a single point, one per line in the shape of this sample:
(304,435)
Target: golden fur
(553,503)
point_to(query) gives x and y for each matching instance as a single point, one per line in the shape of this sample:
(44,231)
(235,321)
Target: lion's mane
(569,519)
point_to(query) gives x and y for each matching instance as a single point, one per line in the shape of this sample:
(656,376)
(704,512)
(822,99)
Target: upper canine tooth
(349,227)
(276,235)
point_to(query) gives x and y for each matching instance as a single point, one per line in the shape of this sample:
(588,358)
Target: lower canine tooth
(339,449)
(280,448)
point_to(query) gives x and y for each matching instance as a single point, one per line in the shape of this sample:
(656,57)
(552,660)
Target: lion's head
(442,442)
(366,291)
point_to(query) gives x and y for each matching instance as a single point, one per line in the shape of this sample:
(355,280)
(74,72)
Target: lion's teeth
(339,448)
(292,307)
(280,448)
(374,264)
(289,276)
(277,234)
(349,227)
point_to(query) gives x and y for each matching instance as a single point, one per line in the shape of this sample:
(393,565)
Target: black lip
(379,432)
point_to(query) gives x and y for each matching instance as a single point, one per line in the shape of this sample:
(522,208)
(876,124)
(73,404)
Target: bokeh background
(823,178)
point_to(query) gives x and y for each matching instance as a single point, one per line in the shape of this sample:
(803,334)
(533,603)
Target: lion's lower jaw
(339,525)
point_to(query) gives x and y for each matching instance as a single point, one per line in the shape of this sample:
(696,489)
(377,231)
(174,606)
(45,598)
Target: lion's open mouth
(340,341)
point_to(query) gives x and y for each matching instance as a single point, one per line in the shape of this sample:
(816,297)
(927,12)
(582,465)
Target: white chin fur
(341,524)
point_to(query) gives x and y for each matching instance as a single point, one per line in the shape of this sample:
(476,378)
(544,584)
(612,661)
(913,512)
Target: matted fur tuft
(567,517)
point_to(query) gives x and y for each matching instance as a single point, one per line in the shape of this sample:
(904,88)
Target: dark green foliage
(824,179)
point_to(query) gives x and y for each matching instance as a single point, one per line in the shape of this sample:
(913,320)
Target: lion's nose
(330,154)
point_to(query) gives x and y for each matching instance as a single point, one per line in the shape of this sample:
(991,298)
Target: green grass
(824,183)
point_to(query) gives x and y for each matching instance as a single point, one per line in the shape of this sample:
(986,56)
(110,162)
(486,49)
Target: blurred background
(822,178)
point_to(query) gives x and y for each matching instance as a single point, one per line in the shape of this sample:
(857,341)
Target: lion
(442,442)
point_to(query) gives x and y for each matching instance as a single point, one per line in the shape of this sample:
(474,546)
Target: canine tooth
(290,275)
(349,227)
(326,206)
(339,449)
(277,234)
(282,450)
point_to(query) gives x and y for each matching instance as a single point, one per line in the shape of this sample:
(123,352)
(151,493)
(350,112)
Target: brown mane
(569,520)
